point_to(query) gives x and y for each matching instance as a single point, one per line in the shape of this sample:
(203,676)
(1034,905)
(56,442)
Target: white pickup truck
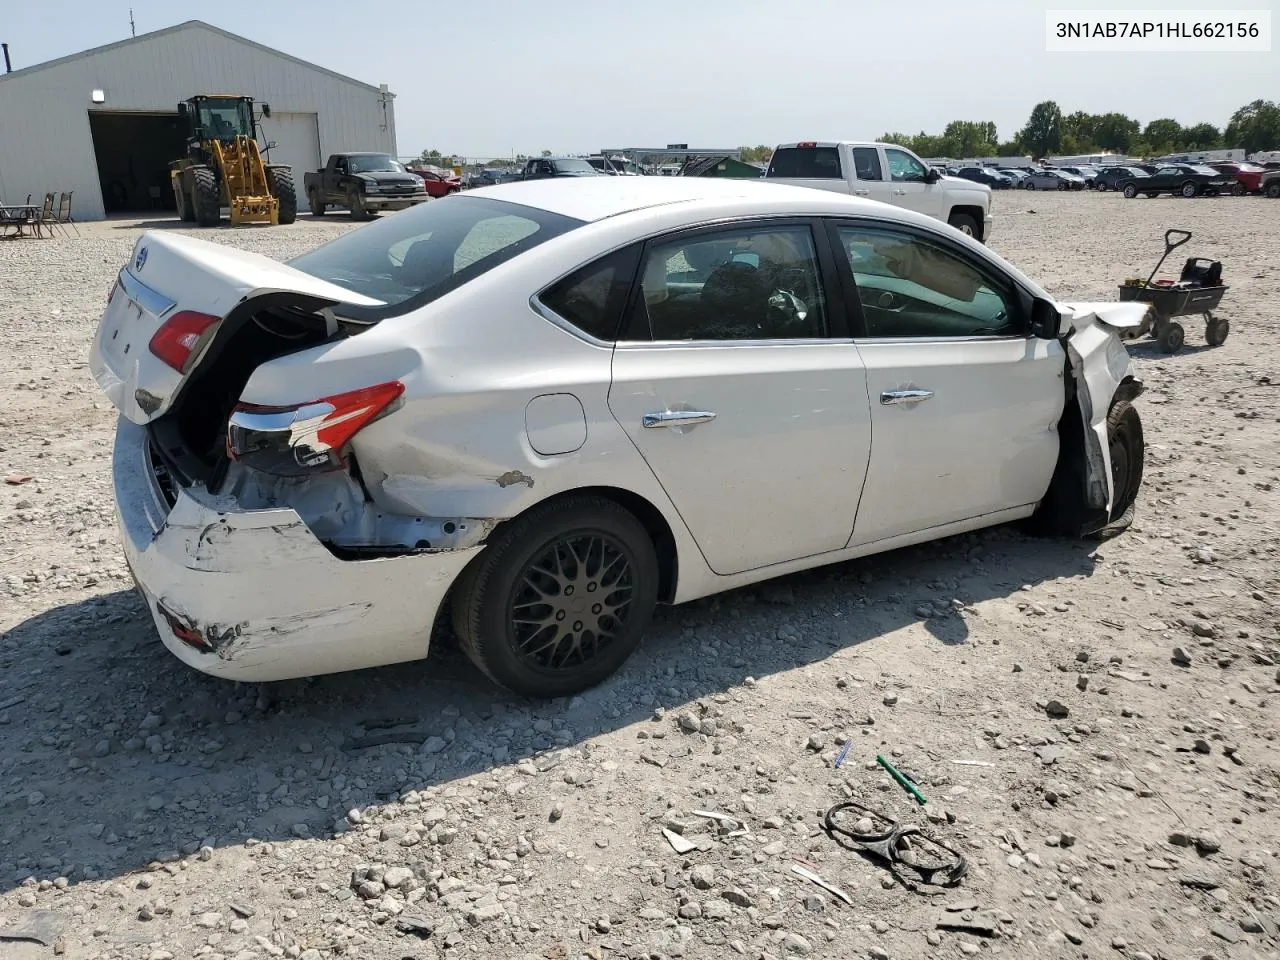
(891,174)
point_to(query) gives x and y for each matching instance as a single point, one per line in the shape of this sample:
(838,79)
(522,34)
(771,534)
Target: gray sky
(488,77)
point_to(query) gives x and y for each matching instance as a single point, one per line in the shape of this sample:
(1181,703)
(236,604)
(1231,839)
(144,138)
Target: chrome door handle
(899,193)
(904,396)
(676,418)
(862,193)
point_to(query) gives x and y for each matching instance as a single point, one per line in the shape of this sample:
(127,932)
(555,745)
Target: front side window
(911,287)
(754,283)
(903,167)
(426,251)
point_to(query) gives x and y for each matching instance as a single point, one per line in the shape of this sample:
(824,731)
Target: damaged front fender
(1103,373)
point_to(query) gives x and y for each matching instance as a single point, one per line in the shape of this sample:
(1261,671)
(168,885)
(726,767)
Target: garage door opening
(133,153)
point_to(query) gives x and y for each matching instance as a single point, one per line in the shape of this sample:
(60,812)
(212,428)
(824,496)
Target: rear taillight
(309,437)
(181,337)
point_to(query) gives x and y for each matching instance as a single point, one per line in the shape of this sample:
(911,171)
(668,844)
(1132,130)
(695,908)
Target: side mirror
(266,110)
(271,145)
(1046,321)
(932,176)
(182,110)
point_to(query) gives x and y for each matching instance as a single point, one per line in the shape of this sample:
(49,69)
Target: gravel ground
(159,814)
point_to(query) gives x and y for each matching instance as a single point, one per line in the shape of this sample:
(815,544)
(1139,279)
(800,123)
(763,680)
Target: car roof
(591,198)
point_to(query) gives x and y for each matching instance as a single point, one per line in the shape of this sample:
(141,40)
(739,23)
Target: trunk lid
(169,274)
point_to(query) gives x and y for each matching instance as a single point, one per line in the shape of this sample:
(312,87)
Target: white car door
(964,400)
(727,378)
(909,186)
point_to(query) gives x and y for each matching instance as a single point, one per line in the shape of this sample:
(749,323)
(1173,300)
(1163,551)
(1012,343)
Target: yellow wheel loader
(224,166)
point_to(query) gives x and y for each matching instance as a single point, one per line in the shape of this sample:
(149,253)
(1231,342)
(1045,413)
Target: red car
(1248,175)
(438,184)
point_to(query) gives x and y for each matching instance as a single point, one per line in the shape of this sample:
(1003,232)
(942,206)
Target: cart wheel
(1171,337)
(1215,331)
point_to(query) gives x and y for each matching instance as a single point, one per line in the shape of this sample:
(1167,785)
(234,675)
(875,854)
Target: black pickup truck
(364,183)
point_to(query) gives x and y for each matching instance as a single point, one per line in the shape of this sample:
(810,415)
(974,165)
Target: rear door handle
(899,193)
(863,193)
(904,396)
(676,418)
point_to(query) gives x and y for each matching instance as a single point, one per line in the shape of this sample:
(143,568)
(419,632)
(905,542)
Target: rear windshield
(806,163)
(424,252)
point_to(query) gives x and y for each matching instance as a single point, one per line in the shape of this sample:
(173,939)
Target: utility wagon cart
(1198,290)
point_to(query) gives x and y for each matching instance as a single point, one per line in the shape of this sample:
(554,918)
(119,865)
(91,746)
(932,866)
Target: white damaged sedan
(542,408)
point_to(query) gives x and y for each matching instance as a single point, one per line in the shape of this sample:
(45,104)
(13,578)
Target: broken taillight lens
(299,440)
(181,337)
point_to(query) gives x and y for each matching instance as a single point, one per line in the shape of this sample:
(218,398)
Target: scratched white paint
(45,143)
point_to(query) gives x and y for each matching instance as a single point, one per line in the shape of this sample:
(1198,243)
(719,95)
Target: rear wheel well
(650,517)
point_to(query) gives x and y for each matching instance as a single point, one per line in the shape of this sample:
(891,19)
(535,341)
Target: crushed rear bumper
(252,595)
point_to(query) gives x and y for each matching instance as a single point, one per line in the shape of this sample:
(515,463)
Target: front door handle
(899,193)
(862,193)
(676,418)
(904,396)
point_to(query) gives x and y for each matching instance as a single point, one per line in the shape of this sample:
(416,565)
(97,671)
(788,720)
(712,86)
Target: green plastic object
(903,782)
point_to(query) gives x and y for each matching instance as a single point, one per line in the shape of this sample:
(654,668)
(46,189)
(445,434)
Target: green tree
(1162,136)
(546,153)
(1079,133)
(968,138)
(757,154)
(1114,131)
(429,155)
(1203,136)
(1043,133)
(1010,148)
(1255,126)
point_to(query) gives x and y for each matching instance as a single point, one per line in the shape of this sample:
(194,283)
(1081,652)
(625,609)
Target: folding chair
(46,216)
(63,217)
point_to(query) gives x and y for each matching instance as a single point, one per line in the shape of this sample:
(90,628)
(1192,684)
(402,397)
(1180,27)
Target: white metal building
(104,123)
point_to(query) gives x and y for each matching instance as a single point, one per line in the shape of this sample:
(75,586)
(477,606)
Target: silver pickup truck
(885,172)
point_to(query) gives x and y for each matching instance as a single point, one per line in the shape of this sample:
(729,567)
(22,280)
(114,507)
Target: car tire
(966,224)
(1152,194)
(355,205)
(1273,190)
(1062,185)
(1130,191)
(1189,190)
(534,564)
(1237,190)
(1127,450)
(313,201)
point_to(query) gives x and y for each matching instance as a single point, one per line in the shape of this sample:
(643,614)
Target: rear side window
(424,252)
(806,163)
(594,297)
(866,162)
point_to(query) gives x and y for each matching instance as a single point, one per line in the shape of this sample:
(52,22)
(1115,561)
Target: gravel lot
(161,814)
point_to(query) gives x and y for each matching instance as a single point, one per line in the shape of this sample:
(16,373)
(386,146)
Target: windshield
(423,253)
(374,163)
(1138,172)
(225,118)
(574,166)
(1209,171)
